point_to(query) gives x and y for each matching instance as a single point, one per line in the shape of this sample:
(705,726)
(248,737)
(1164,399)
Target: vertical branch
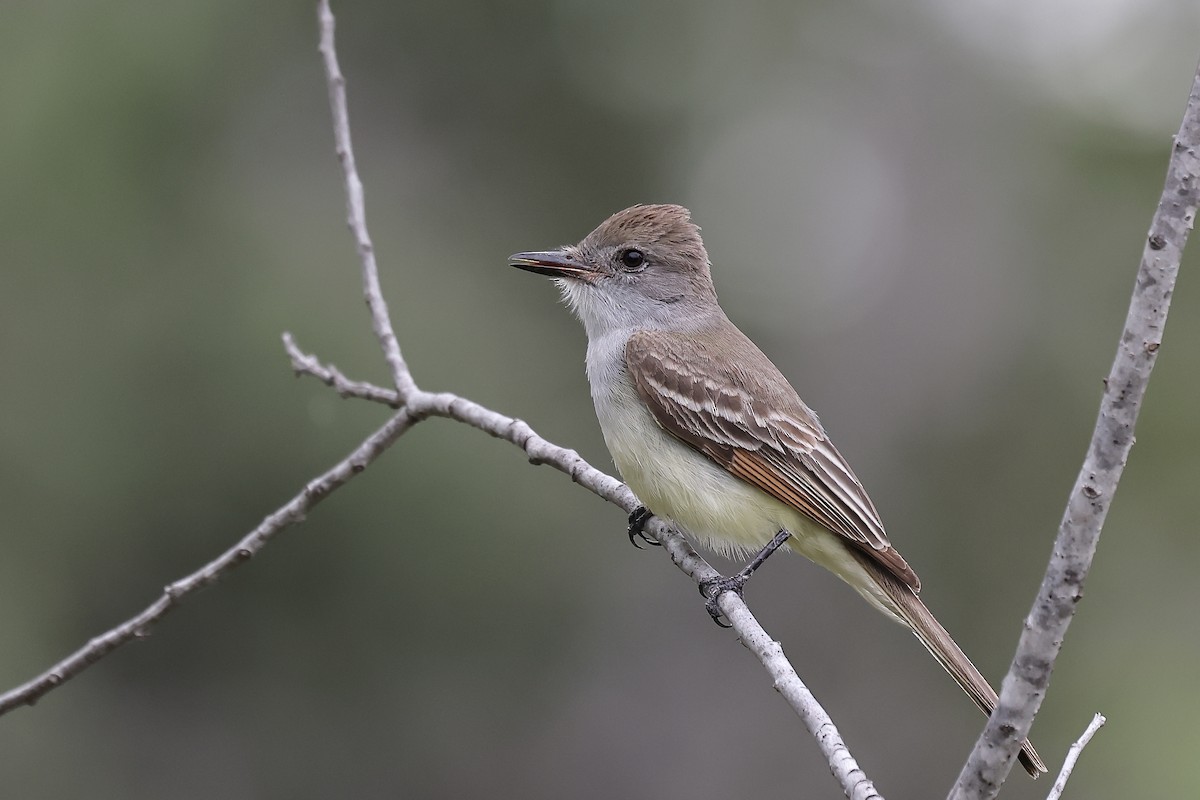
(356,212)
(1025,684)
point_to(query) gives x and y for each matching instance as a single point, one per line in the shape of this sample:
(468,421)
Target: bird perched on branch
(708,432)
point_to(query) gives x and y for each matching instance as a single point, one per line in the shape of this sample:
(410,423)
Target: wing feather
(752,423)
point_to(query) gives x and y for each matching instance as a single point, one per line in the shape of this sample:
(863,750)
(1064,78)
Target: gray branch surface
(356,208)
(1025,685)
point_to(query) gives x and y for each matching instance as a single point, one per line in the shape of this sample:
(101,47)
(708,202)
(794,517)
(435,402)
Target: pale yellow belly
(726,514)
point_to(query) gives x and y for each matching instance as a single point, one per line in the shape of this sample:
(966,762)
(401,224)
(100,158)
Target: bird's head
(645,266)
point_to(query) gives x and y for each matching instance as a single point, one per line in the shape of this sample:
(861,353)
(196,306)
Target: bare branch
(356,210)
(138,627)
(1029,676)
(1073,755)
(854,781)
(305,364)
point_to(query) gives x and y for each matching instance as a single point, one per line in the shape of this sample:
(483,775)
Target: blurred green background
(929,216)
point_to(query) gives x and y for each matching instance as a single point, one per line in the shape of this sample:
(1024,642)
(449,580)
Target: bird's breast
(672,479)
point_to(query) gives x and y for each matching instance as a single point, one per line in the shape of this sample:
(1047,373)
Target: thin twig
(138,627)
(305,364)
(1073,755)
(1025,684)
(356,209)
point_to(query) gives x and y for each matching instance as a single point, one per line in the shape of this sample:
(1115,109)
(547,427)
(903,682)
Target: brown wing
(719,394)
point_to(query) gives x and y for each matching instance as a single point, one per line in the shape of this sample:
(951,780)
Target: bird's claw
(637,527)
(713,588)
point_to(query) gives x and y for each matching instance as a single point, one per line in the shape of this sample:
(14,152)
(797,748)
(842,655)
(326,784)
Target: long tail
(922,622)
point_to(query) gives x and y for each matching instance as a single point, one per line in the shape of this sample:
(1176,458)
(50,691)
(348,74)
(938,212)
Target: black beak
(555,263)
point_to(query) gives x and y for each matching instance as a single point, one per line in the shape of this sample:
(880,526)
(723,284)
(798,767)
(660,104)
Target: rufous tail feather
(943,648)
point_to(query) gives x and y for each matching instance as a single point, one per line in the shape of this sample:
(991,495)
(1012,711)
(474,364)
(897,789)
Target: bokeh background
(928,214)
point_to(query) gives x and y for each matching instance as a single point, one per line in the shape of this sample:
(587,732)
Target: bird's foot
(713,588)
(637,527)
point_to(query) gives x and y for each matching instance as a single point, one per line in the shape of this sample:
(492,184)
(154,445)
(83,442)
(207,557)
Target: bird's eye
(633,259)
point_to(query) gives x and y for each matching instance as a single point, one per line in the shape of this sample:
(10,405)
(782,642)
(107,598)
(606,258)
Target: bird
(707,431)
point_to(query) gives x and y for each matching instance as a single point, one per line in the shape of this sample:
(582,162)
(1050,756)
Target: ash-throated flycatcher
(706,431)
